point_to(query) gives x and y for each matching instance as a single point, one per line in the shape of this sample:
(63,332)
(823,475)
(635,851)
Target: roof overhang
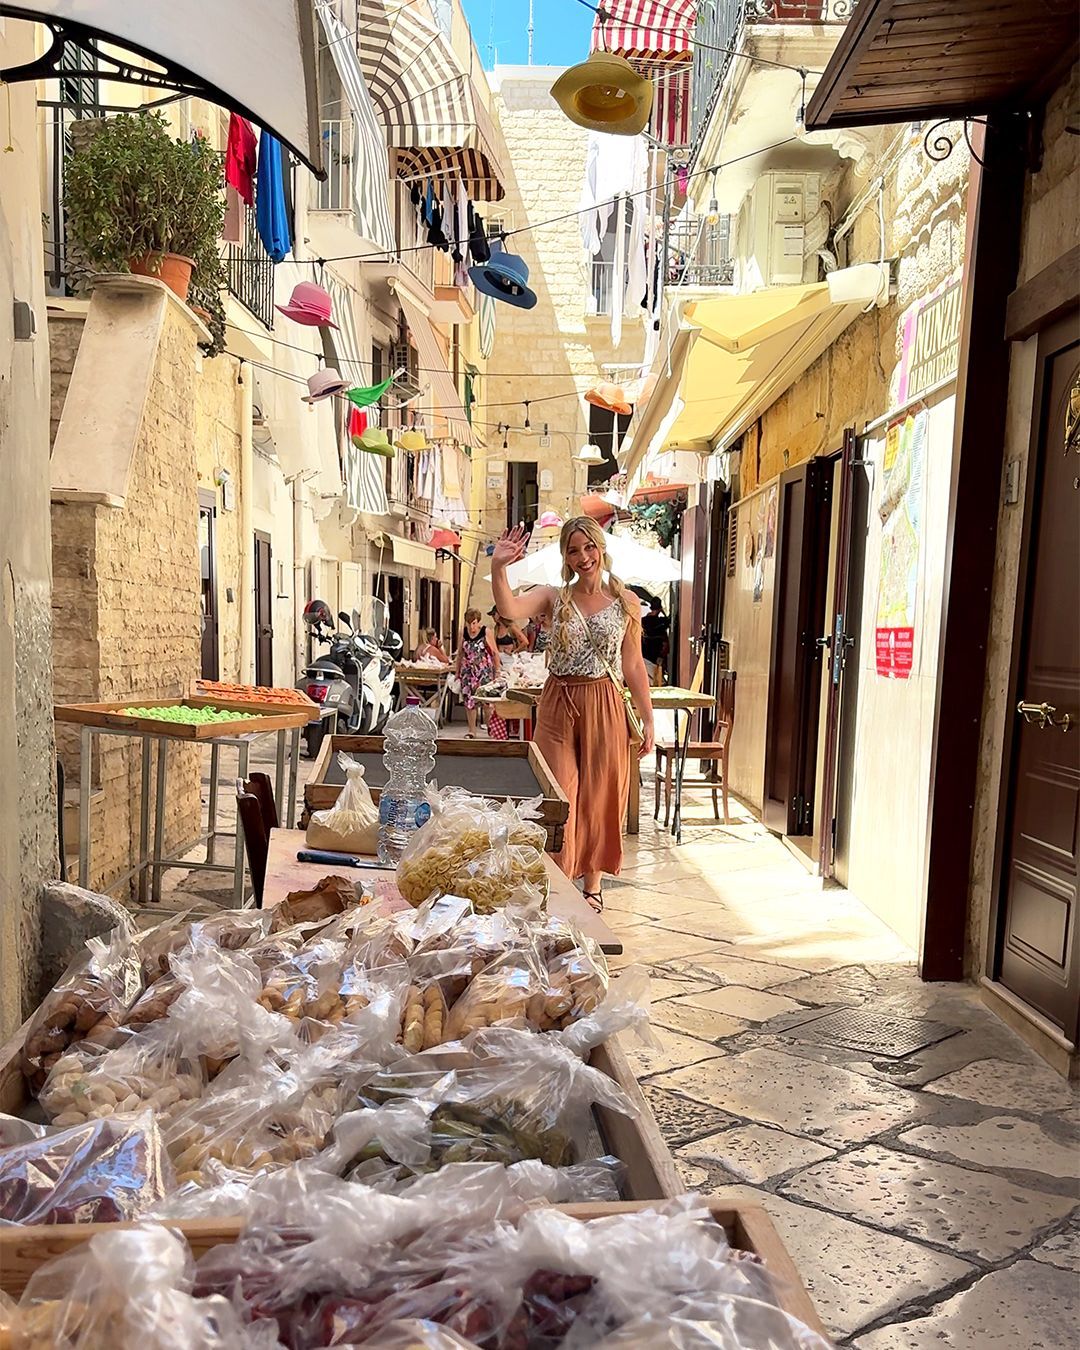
(735,355)
(912,60)
(220,50)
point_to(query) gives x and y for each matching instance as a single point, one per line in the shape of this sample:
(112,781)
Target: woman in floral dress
(477,664)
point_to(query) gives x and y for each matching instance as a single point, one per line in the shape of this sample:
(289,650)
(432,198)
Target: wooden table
(670,698)
(424,679)
(284,874)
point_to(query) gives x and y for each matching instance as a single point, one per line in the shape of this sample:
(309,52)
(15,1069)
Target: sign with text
(931,342)
(900,512)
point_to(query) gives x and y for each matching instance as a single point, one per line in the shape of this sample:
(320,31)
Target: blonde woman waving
(581,721)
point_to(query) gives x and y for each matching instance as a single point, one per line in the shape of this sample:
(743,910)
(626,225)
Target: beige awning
(446,402)
(734,355)
(254,58)
(411,554)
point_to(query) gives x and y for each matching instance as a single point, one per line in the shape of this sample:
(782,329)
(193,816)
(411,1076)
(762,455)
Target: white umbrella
(632,562)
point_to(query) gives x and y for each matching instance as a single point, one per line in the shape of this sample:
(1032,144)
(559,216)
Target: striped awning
(445,400)
(424,100)
(371,201)
(656,37)
(365,475)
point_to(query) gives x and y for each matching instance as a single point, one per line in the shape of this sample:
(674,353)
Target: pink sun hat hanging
(549,520)
(309,305)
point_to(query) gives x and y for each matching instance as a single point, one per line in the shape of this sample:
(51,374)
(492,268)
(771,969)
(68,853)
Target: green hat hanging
(374,441)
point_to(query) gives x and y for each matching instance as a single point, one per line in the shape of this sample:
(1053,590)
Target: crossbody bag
(634,724)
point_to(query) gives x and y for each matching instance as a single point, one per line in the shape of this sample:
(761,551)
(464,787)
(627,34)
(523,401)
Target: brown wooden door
(1039,950)
(693,556)
(208,605)
(264,611)
(802,551)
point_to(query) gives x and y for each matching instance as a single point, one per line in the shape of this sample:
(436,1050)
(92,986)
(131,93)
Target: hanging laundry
(479,248)
(234,216)
(241,160)
(427,210)
(461,238)
(365,396)
(271,211)
(612,164)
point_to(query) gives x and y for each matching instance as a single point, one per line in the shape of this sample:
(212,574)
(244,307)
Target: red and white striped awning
(656,36)
(645,28)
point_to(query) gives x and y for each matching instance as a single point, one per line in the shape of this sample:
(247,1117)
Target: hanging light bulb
(527,415)
(712,215)
(505,430)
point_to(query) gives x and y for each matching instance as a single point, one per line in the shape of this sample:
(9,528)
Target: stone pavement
(928,1196)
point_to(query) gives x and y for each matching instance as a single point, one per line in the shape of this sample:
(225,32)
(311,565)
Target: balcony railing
(699,253)
(718,36)
(335,192)
(250,272)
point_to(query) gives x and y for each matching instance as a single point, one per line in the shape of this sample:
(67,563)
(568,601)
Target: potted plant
(138,200)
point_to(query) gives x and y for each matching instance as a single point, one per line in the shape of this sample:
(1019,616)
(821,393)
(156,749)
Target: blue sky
(561,34)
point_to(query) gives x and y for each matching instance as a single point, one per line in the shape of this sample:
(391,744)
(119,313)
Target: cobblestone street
(928,1197)
(921,1162)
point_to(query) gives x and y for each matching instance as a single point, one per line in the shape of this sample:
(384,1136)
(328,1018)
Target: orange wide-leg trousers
(581,731)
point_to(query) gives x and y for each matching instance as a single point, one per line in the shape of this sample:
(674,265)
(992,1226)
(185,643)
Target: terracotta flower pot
(171,268)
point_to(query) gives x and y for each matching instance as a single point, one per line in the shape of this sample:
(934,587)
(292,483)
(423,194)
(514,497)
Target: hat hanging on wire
(374,441)
(309,305)
(612,397)
(605,93)
(413,439)
(505,277)
(324,384)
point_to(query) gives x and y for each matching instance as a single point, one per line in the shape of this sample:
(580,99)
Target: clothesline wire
(554,220)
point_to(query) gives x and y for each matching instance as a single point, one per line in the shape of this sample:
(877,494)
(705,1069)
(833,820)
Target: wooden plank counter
(284,874)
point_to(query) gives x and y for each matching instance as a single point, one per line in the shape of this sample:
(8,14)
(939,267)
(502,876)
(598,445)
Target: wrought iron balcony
(249,271)
(699,253)
(718,36)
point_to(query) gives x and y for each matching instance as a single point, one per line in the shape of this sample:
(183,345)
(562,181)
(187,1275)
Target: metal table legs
(680,768)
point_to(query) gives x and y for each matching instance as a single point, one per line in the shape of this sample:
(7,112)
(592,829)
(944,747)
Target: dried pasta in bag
(351,825)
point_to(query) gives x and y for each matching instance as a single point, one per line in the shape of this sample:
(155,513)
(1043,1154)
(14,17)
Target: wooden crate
(106,715)
(201,698)
(319,793)
(747,1227)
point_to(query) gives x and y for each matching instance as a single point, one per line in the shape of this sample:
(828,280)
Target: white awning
(254,58)
(445,399)
(411,554)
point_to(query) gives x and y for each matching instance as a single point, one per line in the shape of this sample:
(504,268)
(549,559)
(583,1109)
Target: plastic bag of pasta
(128,1290)
(351,825)
(446,855)
(102,1171)
(88,1004)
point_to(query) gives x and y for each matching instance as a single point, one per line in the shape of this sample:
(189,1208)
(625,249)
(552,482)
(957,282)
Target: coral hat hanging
(310,305)
(605,93)
(610,396)
(504,276)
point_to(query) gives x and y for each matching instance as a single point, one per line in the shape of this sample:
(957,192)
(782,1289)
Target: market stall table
(110,719)
(284,873)
(429,682)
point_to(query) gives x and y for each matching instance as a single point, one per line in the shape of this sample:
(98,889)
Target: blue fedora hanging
(504,276)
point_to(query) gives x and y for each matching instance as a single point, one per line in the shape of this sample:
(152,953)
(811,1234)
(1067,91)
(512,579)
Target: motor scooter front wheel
(313,738)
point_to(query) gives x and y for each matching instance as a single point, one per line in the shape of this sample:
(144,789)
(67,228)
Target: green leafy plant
(131,190)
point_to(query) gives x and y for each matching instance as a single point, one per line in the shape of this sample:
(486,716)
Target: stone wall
(126,593)
(1051,226)
(27,762)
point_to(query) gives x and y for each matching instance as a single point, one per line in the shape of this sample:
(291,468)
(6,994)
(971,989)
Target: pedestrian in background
(655,641)
(477,664)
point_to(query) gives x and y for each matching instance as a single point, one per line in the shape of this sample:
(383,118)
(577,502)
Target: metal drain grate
(875,1033)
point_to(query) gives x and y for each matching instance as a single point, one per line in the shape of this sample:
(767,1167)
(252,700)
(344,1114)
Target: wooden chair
(713,753)
(259,785)
(250,819)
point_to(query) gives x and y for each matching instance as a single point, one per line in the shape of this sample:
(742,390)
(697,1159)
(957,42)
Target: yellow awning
(734,356)
(411,554)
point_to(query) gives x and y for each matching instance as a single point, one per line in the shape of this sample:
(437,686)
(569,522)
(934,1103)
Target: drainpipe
(247,536)
(296,488)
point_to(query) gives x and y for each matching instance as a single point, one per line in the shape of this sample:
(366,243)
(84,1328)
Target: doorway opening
(264,611)
(209,664)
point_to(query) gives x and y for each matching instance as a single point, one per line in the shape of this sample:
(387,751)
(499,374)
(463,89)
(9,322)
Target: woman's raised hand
(509,547)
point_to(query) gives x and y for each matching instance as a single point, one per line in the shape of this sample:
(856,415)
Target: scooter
(332,680)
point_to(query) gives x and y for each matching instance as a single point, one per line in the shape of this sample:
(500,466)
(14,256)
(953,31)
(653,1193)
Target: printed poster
(900,509)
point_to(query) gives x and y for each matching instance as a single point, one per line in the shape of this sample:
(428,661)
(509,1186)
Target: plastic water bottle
(409,757)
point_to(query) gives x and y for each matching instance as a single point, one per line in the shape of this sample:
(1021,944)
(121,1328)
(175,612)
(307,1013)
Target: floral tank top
(574,652)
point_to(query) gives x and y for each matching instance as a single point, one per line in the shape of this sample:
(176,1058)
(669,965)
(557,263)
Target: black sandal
(598,897)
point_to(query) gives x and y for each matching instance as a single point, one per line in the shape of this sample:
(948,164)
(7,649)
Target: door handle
(1044,715)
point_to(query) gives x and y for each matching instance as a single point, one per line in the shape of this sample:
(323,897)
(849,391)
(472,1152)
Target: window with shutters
(732,541)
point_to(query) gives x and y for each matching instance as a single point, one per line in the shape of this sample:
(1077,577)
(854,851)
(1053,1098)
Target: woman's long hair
(560,632)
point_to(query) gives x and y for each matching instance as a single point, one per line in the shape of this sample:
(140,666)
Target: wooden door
(209,667)
(839,642)
(264,611)
(693,557)
(1039,951)
(802,550)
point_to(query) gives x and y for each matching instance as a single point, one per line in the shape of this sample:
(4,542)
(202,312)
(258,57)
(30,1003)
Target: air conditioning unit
(772,231)
(404,356)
